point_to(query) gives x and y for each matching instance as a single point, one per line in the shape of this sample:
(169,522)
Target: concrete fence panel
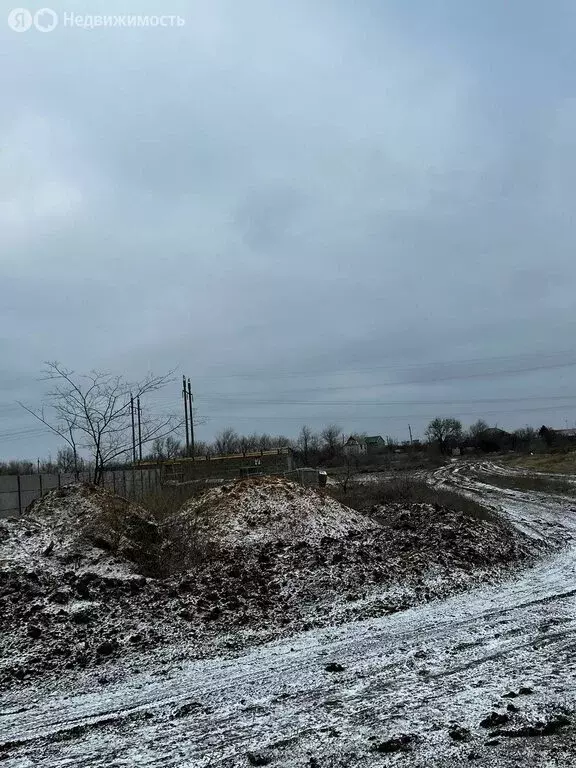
(18,491)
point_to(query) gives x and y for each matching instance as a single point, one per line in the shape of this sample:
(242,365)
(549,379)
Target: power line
(25,432)
(223,398)
(239,399)
(379,417)
(399,384)
(235,400)
(527,356)
(19,438)
(414,367)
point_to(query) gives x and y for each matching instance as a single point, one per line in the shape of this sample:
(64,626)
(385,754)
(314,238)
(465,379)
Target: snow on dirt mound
(269,510)
(253,560)
(299,558)
(70,570)
(424,535)
(83,527)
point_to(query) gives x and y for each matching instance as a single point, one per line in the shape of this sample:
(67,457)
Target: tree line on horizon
(312,447)
(93,416)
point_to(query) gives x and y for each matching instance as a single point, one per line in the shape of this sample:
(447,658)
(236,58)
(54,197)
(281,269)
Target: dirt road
(345,695)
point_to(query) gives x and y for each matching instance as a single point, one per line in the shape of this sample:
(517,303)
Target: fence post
(114,480)
(19,496)
(59,481)
(125,486)
(40,486)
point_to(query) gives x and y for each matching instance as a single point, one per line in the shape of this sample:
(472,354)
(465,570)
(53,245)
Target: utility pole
(190,401)
(185,396)
(410,433)
(139,428)
(133,430)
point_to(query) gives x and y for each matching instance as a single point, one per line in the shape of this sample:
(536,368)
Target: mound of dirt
(257,513)
(428,535)
(244,563)
(70,570)
(297,558)
(84,527)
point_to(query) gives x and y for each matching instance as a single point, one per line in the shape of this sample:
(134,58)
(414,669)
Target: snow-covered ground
(430,674)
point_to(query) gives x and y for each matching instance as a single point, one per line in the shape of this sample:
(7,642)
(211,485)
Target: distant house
(567,434)
(354,446)
(358,446)
(375,444)
(557,436)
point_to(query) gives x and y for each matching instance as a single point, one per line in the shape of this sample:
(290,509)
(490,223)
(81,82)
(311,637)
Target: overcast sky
(318,210)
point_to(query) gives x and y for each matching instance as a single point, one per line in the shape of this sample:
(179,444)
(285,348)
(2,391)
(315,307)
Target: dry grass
(184,544)
(538,483)
(562,463)
(166,501)
(406,489)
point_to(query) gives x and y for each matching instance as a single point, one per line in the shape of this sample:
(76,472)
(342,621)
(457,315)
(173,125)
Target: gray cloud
(342,203)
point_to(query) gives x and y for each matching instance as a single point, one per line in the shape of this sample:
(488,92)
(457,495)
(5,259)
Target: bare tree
(346,474)
(67,461)
(244,444)
(524,437)
(157,453)
(304,439)
(314,444)
(444,431)
(165,448)
(251,442)
(15,467)
(226,442)
(281,441)
(201,448)
(92,412)
(264,442)
(172,447)
(331,436)
(477,429)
